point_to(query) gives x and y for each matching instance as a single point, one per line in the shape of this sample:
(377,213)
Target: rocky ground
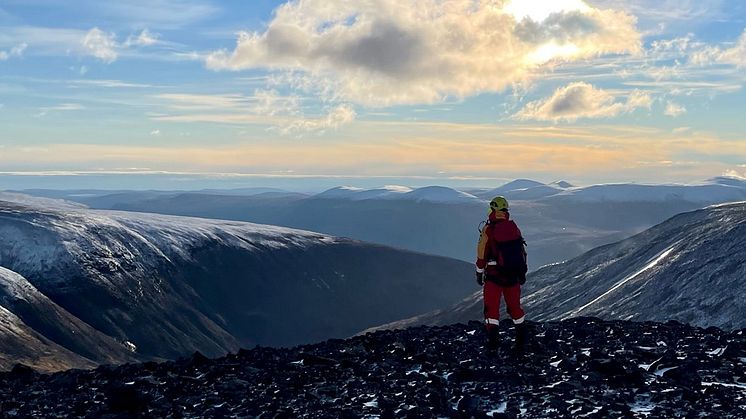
(576,368)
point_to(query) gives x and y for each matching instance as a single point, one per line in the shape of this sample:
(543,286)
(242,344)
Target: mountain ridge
(689,268)
(168,286)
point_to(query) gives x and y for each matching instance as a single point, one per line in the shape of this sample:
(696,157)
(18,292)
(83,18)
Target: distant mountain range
(559,220)
(80,287)
(691,268)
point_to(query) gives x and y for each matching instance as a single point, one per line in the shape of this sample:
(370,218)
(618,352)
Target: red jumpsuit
(501,229)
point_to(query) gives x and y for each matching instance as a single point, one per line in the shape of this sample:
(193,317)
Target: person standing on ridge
(501,270)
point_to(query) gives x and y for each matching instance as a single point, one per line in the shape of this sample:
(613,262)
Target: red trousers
(492,295)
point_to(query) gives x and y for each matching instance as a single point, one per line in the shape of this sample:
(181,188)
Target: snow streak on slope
(647,267)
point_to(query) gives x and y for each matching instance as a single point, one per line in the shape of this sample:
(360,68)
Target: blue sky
(416,92)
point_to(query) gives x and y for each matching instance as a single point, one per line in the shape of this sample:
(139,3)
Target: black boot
(493,337)
(520,338)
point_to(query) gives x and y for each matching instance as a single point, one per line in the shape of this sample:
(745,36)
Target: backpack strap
(494,248)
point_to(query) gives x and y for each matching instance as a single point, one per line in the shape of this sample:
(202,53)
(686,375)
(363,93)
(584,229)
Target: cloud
(390,52)
(270,102)
(168,14)
(144,38)
(101,45)
(340,115)
(193,101)
(15,51)
(670,11)
(673,109)
(105,47)
(65,107)
(62,107)
(710,54)
(49,41)
(735,55)
(739,174)
(155,132)
(111,83)
(282,113)
(164,14)
(582,100)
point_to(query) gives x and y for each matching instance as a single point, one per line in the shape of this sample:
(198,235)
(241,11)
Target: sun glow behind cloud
(539,10)
(551,51)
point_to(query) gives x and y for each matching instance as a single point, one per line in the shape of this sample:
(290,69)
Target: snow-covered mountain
(359,194)
(691,268)
(511,187)
(109,286)
(714,190)
(436,194)
(562,184)
(440,194)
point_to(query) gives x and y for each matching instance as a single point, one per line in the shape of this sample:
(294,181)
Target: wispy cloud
(281,113)
(64,107)
(687,87)
(111,83)
(194,101)
(673,109)
(669,11)
(144,38)
(164,14)
(98,42)
(158,13)
(270,102)
(339,115)
(15,51)
(582,100)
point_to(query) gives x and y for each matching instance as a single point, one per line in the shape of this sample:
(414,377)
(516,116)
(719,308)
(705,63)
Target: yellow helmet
(499,203)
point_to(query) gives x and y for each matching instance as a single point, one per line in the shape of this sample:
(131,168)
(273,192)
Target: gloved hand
(480,278)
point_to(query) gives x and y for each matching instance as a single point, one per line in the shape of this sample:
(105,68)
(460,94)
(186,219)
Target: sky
(207,93)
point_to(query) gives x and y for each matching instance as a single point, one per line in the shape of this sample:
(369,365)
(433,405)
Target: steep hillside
(29,309)
(102,284)
(691,268)
(578,368)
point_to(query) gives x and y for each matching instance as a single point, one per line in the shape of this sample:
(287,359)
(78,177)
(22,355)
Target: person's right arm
(482,255)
